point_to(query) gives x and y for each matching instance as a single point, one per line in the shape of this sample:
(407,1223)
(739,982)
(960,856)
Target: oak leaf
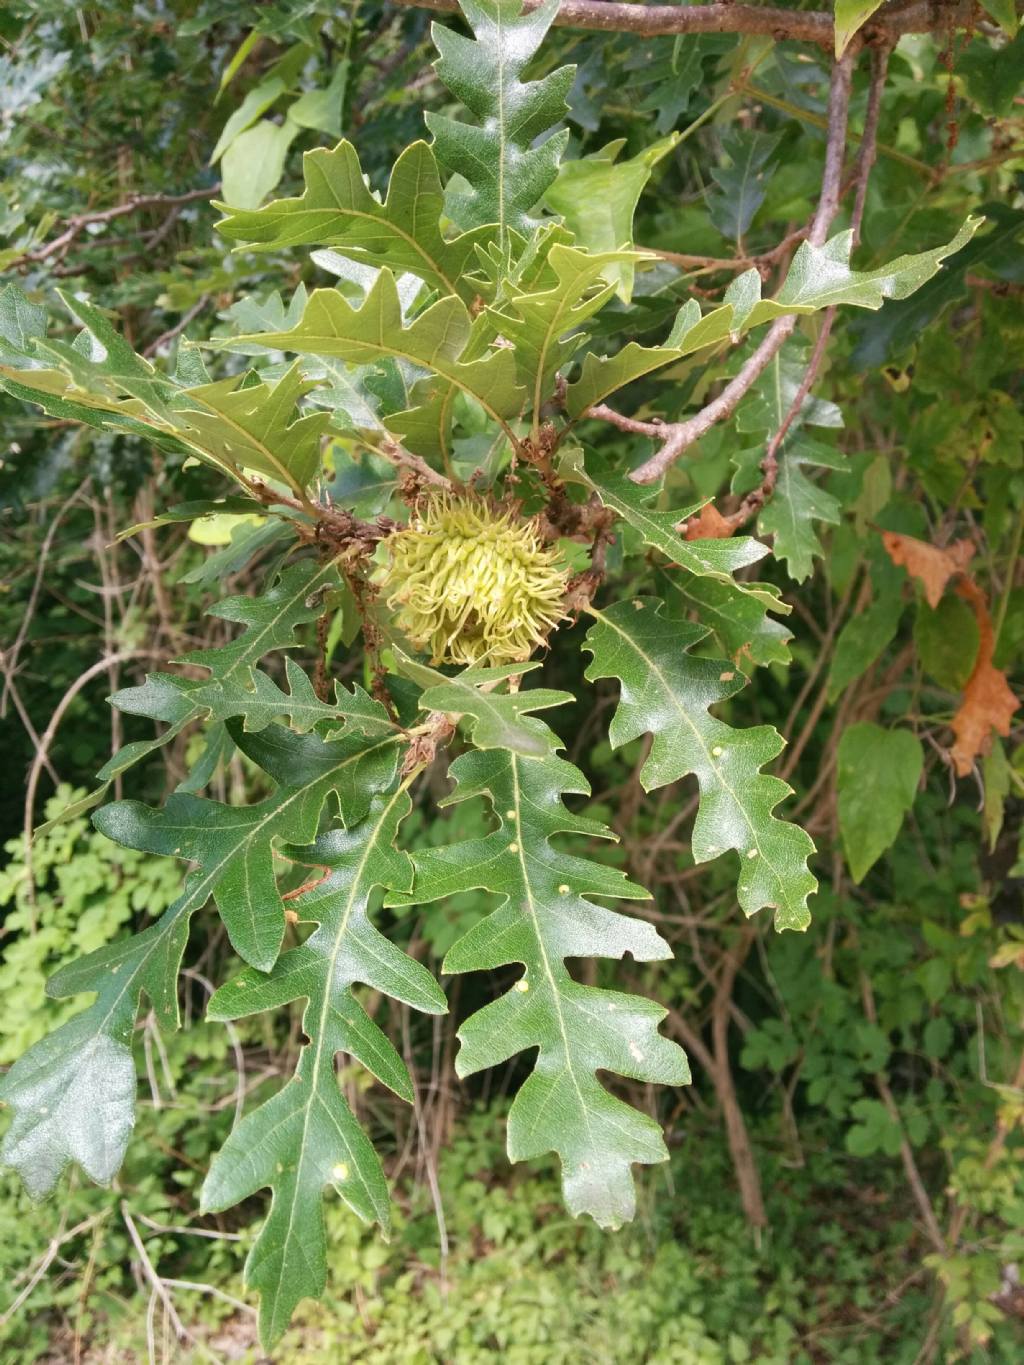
(988,702)
(708,524)
(931,566)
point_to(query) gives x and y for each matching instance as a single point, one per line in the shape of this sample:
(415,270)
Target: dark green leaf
(666,692)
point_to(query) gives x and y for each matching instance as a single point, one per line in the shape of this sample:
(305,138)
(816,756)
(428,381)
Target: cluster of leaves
(463,347)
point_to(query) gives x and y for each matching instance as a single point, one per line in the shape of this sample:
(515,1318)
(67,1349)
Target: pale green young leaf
(603,375)
(306,1139)
(597,196)
(544,323)
(851,15)
(435,339)
(253,163)
(257,102)
(666,692)
(337,210)
(321,109)
(879,771)
(1004,12)
(818,278)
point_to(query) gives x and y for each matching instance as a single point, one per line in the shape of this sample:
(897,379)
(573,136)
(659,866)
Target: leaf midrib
(325,1005)
(545,960)
(195,899)
(670,693)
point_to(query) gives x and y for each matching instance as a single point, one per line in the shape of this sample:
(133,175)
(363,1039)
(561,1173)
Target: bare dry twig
(60,245)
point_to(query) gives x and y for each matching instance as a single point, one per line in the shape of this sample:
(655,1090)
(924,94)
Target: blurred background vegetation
(845,1182)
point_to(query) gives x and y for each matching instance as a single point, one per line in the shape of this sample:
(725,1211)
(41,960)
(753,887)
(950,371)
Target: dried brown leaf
(708,524)
(931,566)
(988,703)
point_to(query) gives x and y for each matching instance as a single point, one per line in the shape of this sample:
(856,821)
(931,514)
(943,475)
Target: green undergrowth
(832,1279)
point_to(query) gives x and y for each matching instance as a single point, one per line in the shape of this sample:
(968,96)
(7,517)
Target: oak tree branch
(678,436)
(607,16)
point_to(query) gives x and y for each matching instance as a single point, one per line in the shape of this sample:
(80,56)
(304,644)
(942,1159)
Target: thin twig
(11,655)
(217,1294)
(189,1232)
(46,739)
(917,1185)
(869,138)
(679,436)
(735,263)
(159,1288)
(757,497)
(46,1260)
(26,720)
(61,245)
(236,1043)
(178,327)
(389,449)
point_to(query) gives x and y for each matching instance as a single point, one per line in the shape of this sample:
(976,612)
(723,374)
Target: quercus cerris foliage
(469,301)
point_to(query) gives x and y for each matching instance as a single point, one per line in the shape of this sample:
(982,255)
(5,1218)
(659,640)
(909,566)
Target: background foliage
(844,1176)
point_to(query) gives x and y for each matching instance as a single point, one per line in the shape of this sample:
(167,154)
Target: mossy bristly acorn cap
(472,583)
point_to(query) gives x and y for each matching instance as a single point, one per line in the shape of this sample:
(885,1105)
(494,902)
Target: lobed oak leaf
(932,565)
(988,703)
(708,524)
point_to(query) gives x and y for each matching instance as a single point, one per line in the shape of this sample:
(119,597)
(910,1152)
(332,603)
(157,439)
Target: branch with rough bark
(605,16)
(677,437)
(60,245)
(757,497)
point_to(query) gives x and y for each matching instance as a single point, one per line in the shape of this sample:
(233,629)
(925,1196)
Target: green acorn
(472,584)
